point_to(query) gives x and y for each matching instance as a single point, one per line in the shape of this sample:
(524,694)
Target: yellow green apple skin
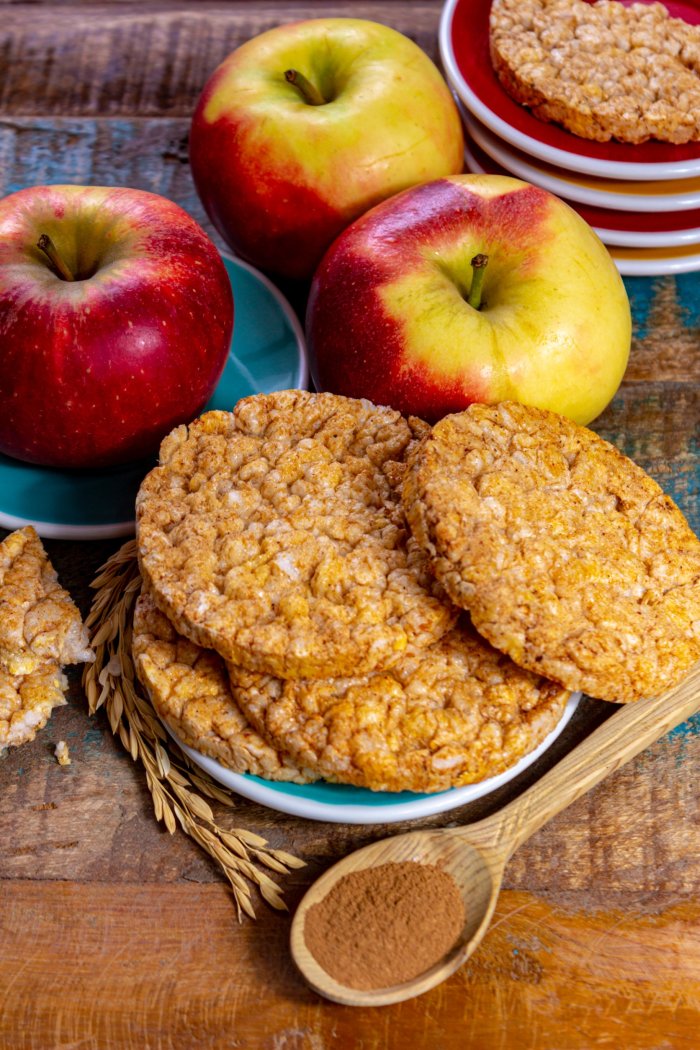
(97,365)
(387,316)
(280,177)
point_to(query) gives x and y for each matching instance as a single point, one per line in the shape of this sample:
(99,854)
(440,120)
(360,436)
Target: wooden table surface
(115,934)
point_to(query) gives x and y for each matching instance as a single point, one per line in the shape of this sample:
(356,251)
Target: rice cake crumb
(568,556)
(39,622)
(604,70)
(62,753)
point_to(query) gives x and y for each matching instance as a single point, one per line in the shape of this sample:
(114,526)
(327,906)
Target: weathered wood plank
(43,817)
(666,332)
(116,935)
(166,967)
(93,821)
(637,831)
(149,60)
(149,154)
(658,425)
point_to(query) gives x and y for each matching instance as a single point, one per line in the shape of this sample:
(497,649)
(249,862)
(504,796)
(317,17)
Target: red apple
(113,332)
(306,126)
(389,314)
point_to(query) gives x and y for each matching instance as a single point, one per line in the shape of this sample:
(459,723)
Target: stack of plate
(643,200)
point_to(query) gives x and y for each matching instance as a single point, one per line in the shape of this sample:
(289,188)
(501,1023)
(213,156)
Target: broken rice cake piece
(40,630)
(26,702)
(39,622)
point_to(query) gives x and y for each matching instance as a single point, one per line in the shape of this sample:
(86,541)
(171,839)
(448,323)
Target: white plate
(342,804)
(655,262)
(667,196)
(464,50)
(614,228)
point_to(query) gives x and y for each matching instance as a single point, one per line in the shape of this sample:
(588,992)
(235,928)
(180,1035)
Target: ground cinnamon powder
(381,926)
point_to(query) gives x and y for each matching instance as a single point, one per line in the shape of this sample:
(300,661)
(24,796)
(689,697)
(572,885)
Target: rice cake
(188,687)
(445,715)
(604,70)
(26,702)
(568,556)
(39,622)
(275,535)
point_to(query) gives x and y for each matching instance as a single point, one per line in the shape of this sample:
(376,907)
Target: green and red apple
(116,315)
(307,126)
(398,314)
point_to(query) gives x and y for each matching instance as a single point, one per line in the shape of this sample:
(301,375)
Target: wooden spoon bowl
(474,875)
(476,856)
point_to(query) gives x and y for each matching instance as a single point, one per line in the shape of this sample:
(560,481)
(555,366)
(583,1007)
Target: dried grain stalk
(177,786)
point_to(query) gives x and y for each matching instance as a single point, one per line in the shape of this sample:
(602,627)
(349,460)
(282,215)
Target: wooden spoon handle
(627,732)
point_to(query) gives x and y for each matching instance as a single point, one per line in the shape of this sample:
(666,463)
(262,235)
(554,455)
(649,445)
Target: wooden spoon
(476,856)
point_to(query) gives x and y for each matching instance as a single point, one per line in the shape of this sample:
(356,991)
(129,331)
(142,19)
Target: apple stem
(46,245)
(478,264)
(308,91)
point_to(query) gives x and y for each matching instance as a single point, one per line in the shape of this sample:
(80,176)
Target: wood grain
(150,60)
(148,154)
(167,967)
(636,829)
(665,346)
(116,934)
(658,425)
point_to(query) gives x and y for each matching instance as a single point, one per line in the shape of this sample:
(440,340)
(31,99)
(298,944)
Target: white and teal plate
(342,804)
(267,353)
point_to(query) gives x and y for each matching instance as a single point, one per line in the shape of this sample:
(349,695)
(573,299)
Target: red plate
(647,229)
(464,48)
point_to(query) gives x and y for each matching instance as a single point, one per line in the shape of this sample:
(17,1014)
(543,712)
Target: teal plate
(340,803)
(267,353)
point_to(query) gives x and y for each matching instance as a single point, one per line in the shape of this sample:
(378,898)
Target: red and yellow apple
(307,125)
(389,316)
(116,315)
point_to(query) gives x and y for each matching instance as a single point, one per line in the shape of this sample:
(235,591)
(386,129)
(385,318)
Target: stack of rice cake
(292,625)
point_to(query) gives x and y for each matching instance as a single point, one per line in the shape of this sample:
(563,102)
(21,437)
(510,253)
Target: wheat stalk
(177,786)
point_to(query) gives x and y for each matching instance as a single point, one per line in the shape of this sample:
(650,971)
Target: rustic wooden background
(116,935)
